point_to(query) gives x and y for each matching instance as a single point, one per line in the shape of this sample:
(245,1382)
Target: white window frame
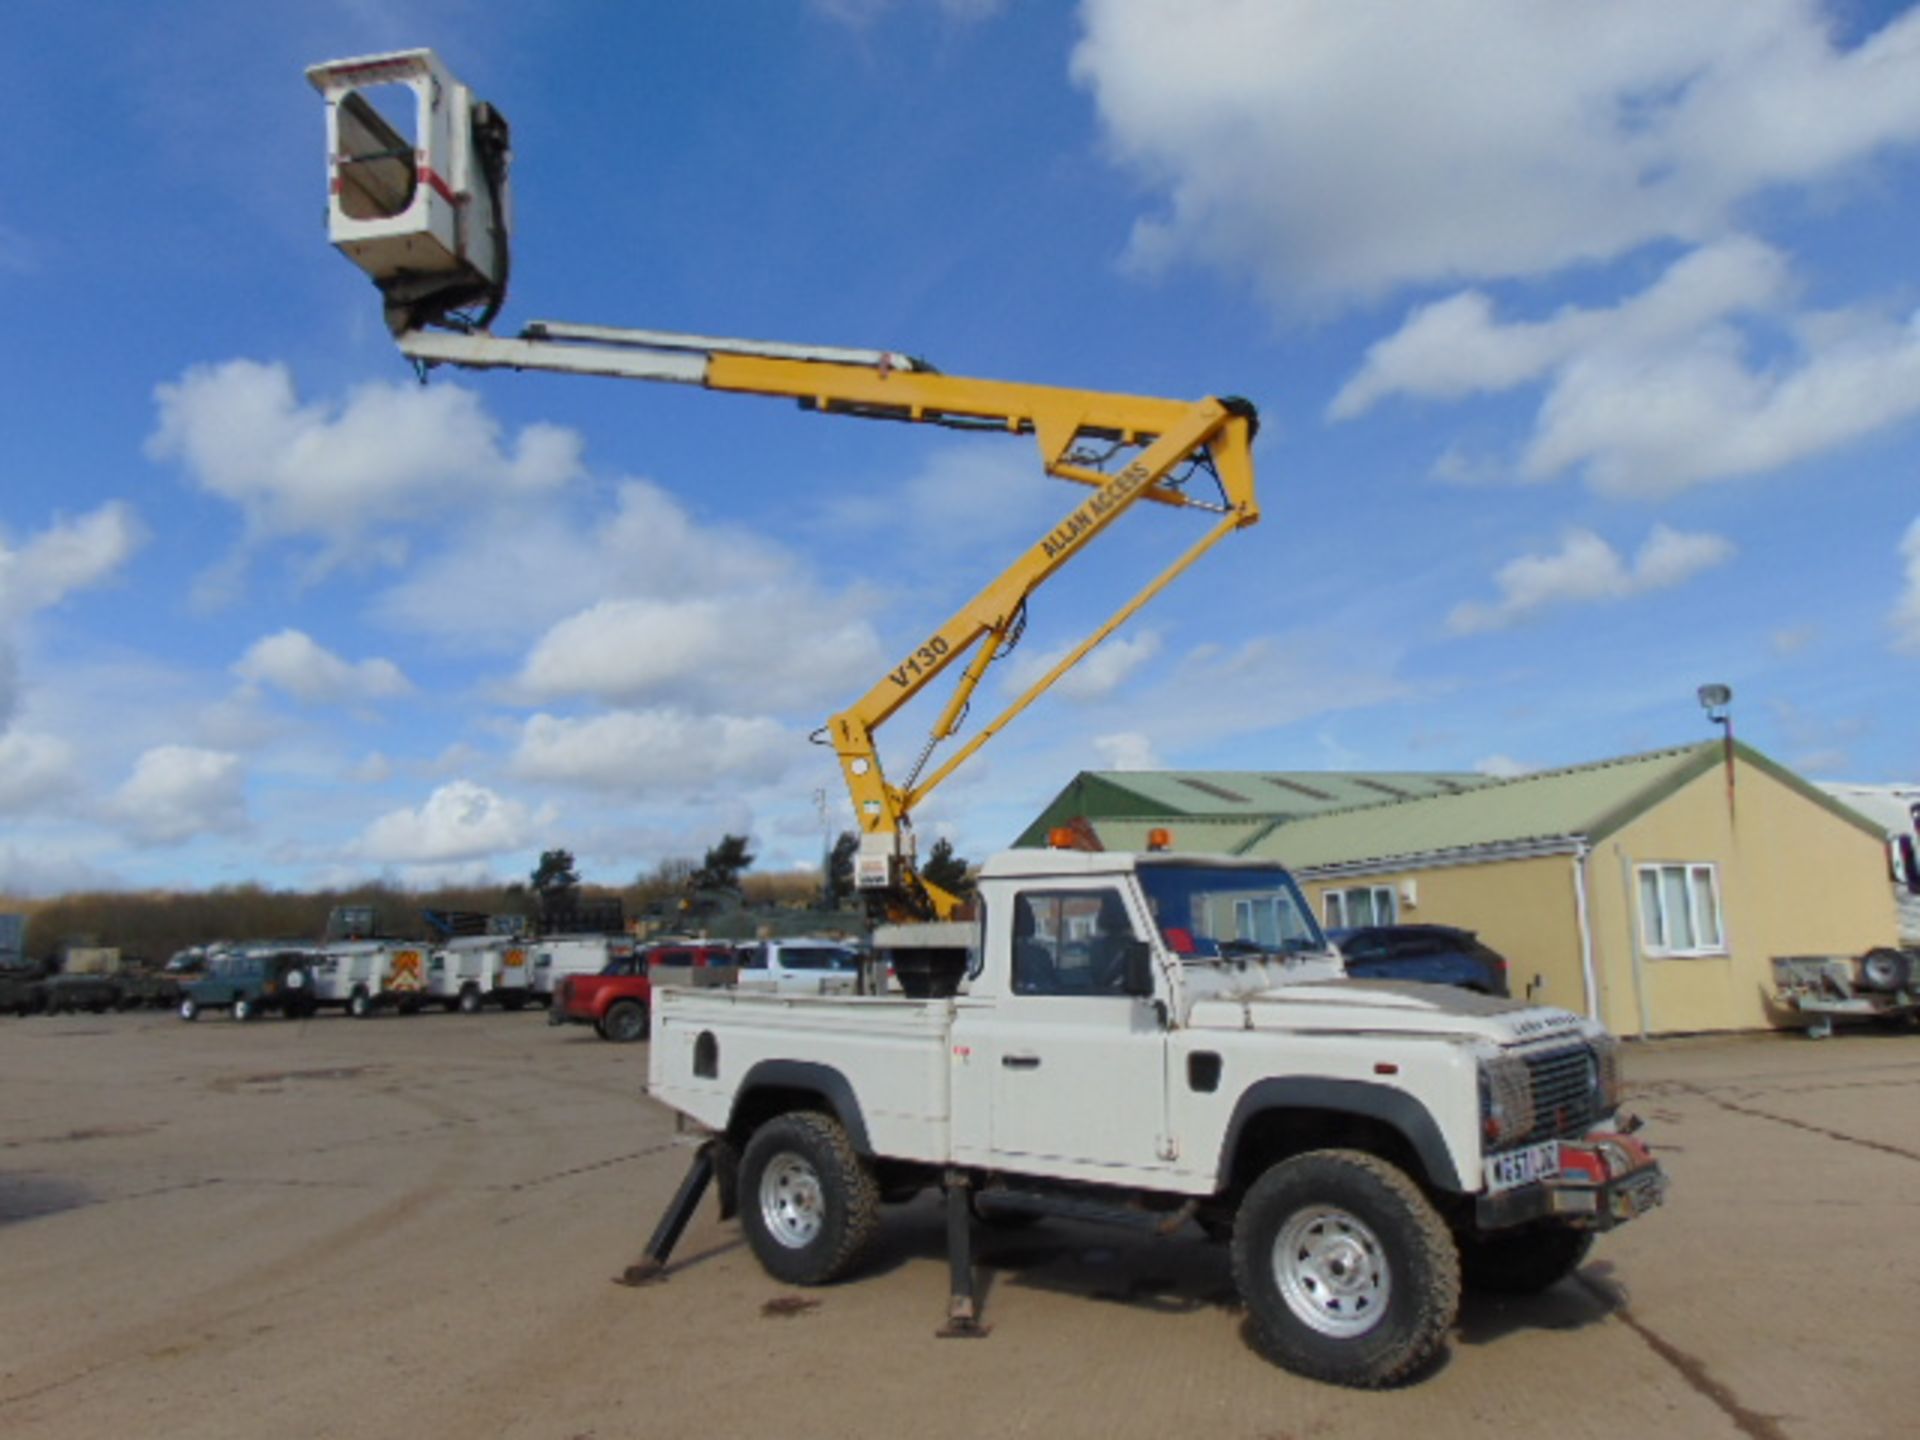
(1386,903)
(1653,936)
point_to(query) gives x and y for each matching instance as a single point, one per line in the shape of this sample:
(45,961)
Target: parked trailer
(1882,985)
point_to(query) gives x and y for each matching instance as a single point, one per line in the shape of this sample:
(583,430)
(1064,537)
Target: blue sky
(1586,341)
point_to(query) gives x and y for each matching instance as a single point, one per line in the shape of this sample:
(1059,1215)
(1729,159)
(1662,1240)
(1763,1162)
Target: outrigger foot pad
(652,1266)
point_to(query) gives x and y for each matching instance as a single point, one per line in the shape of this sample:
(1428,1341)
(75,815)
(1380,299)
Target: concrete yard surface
(410,1226)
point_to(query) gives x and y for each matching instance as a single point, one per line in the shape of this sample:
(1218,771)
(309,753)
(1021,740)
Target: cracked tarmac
(408,1226)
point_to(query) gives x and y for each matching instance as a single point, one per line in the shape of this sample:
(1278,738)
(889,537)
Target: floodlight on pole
(1717,701)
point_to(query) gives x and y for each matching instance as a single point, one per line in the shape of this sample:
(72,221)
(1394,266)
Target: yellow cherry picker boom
(419,199)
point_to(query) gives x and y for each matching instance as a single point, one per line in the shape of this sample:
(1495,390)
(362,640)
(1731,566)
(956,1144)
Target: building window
(1680,910)
(1360,905)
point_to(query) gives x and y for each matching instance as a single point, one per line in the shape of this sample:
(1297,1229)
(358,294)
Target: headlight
(1606,1059)
(1506,1099)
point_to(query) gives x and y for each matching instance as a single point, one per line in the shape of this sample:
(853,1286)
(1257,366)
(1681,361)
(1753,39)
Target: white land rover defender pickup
(1168,1037)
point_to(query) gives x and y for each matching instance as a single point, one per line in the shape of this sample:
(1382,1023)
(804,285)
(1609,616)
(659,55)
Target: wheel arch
(776,1087)
(1279,1118)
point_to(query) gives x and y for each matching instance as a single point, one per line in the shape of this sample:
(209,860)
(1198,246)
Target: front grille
(1566,1094)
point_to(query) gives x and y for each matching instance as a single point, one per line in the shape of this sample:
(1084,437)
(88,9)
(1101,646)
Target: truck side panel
(892,1053)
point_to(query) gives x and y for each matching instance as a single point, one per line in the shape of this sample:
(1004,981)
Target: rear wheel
(1524,1262)
(469,1001)
(626,1022)
(1348,1273)
(807,1203)
(189,1009)
(243,1008)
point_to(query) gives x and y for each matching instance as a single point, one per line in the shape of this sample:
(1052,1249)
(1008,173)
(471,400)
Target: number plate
(1522,1167)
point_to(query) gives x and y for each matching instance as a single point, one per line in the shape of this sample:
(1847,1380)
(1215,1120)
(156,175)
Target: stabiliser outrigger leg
(714,1159)
(707,1162)
(963,1305)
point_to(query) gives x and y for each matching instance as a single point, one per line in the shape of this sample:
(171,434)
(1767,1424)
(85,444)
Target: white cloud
(1098,675)
(292,661)
(660,752)
(179,791)
(1343,147)
(1126,750)
(1455,347)
(1791,639)
(1906,614)
(965,496)
(1662,390)
(768,649)
(1587,569)
(1503,767)
(460,821)
(68,555)
(36,870)
(33,769)
(343,472)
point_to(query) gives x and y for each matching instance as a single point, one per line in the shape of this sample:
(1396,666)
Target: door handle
(1020,1062)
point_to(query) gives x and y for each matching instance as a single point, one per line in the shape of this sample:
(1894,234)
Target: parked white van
(469,971)
(800,967)
(558,955)
(359,976)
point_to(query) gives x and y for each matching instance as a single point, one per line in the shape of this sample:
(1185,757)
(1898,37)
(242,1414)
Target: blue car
(1436,954)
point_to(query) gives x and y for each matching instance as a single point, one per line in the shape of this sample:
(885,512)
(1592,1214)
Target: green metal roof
(1163,796)
(1580,803)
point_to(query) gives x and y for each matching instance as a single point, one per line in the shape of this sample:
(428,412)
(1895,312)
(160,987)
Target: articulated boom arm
(1077,431)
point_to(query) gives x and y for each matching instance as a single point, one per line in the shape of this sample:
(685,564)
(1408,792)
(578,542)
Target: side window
(753,957)
(1070,942)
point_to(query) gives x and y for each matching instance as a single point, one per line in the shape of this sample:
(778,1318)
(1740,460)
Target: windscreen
(1205,912)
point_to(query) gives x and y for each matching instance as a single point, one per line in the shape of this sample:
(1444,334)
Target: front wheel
(242,1008)
(189,1009)
(359,1005)
(1523,1262)
(469,1001)
(625,1022)
(1349,1274)
(807,1203)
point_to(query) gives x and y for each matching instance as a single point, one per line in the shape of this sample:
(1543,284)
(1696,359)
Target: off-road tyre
(625,1022)
(359,1005)
(243,1008)
(1370,1267)
(469,1001)
(1522,1262)
(808,1204)
(189,1009)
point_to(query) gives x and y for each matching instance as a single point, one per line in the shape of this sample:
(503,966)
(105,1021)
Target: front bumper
(1606,1179)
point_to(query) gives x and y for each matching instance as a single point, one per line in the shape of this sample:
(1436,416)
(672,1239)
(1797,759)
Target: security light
(1715,697)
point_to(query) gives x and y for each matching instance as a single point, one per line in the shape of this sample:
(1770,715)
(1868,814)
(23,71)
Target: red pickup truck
(618,1001)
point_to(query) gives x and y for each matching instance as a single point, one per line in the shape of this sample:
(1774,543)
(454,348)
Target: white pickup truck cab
(1170,1036)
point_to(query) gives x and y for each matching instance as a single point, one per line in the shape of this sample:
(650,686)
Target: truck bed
(891,1051)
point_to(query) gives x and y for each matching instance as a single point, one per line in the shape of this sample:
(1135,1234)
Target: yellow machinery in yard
(419,200)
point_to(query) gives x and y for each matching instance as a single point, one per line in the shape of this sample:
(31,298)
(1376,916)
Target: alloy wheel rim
(1332,1272)
(792,1202)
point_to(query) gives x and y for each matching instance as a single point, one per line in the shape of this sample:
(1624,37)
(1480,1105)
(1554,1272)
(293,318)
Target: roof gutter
(1442,859)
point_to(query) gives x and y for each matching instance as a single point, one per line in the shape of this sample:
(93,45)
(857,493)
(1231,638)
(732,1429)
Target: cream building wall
(1794,879)
(1525,909)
